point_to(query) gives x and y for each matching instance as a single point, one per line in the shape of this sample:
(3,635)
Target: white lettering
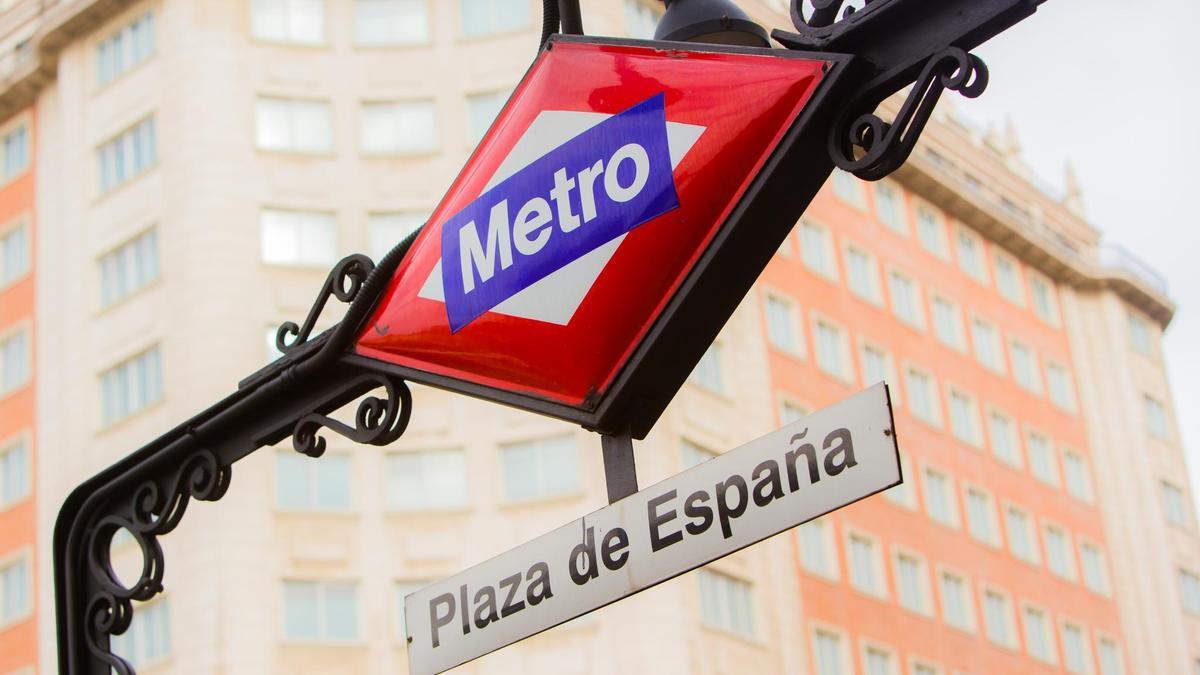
(532,217)
(472,255)
(587,198)
(561,194)
(641,172)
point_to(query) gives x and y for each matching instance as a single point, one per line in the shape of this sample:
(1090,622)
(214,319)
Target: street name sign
(550,266)
(810,467)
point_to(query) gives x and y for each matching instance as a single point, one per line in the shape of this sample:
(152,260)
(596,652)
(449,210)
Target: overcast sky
(1113,86)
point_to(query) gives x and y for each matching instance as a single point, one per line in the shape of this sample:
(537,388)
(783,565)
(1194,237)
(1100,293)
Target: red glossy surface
(746,103)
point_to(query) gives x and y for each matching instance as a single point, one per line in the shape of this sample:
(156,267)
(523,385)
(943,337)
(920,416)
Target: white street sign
(810,467)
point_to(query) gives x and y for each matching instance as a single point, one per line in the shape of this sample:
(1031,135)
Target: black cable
(550,21)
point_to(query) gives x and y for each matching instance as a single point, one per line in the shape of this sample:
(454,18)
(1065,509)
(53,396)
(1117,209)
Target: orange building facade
(18,615)
(992,557)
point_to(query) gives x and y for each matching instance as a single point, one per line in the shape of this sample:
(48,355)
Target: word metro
(810,467)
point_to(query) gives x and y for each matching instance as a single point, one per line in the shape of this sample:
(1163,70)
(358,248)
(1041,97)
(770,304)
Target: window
(291,21)
(848,189)
(922,396)
(1003,434)
(303,483)
(403,589)
(904,494)
(14,360)
(1058,384)
(986,339)
(1020,534)
(1156,418)
(726,603)
(641,19)
(791,412)
(866,572)
(817,552)
(1041,458)
(16,151)
(131,386)
(816,249)
(923,668)
(125,49)
(878,661)
(691,454)
(831,350)
(482,110)
(906,302)
(1175,504)
(128,155)
(385,23)
(1076,475)
(964,418)
(302,238)
(1059,556)
(781,324)
(1189,590)
(397,127)
(970,254)
(947,322)
(861,275)
(129,268)
(1110,657)
(14,472)
(957,610)
(939,497)
(1139,334)
(912,583)
(540,469)
(889,208)
(1074,650)
(427,481)
(293,125)
(998,618)
(1008,278)
(876,365)
(707,372)
(931,232)
(1038,639)
(14,253)
(829,653)
(1025,367)
(487,17)
(981,516)
(1095,570)
(148,639)
(385,230)
(320,611)
(15,593)
(1042,290)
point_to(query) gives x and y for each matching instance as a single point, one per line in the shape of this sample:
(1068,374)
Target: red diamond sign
(585,207)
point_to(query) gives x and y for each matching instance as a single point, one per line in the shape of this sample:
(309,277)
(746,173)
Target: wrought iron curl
(824,12)
(153,510)
(377,421)
(344,282)
(883,146)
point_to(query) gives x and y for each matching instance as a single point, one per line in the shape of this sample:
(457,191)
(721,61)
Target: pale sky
(1113,86)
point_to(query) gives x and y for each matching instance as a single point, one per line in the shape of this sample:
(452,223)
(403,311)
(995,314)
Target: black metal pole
(620,471)
(572,20)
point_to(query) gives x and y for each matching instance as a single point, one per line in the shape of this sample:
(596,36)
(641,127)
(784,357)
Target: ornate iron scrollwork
(154,509)
(376,422)
(885,146)
(344,282)
(824,12)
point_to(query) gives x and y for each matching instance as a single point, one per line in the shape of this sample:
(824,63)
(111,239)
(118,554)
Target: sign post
(810,467)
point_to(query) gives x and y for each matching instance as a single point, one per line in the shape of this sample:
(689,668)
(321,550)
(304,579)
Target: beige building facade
(201,164)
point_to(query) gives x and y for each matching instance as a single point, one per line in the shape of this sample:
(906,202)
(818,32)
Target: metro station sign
(543,275)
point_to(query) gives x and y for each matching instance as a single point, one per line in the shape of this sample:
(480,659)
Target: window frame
(968,597)
(935,419)
(1011,626)
(291,149)
(1049,634)
(831,558)
(974,421)
(993,521)
(322,639)
(795,323)
(845,373)
(918,321)
(1014,435)
(1032,534)
(23,327)
(1001,365)
(19,439)
(24,119)
(874,292)
(925,589)
(943,251)
(828,269)
(427,41)
(954,521)
(435,141)
(957,341)
(423,451)
(878,569)
(22,221)
(979,275)
(573,492)
(1017,297)
(1070,574)
(23,555)
(311,466)
(289,41)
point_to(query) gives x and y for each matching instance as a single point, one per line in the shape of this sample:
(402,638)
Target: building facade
(201,164)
